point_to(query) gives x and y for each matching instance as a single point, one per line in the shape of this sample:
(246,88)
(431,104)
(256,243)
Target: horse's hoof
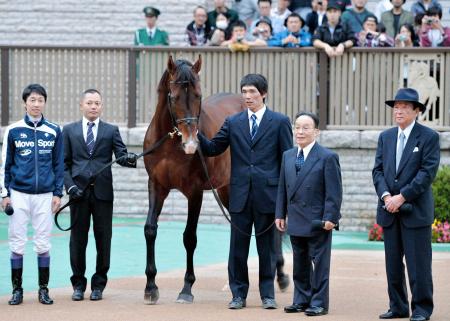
(185,298)
(151,297)
(283,282)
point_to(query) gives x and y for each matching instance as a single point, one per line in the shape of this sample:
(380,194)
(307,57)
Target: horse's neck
(162,120)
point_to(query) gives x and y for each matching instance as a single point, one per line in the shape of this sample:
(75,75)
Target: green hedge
(441,194)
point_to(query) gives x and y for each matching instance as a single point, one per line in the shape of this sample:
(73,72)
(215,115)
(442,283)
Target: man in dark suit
(88,146)
(257,138)
(310,196)
(406,163)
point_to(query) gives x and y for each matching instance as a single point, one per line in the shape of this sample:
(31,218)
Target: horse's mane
(183,74)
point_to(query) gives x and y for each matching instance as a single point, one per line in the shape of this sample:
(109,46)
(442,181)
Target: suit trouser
(415,245)
(102,224)
(239,248)
(312,256)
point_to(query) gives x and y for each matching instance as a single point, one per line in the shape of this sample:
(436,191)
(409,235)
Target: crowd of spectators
(331,25)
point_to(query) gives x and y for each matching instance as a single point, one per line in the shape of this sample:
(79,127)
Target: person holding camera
(373,34)
(317,16)
(238,42)
(406,37)
(396,17)
(308,207)
(294,36)
(88,146)
(432,33)
(406,163)
(32,179)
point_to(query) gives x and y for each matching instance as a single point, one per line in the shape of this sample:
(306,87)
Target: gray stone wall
(356,150)
(100,22)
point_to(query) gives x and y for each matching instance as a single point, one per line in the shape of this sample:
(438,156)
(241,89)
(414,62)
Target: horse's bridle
(187,120)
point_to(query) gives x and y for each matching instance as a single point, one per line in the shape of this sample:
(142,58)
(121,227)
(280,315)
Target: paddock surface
(357,284)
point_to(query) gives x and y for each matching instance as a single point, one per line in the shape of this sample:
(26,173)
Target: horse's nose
(190,147)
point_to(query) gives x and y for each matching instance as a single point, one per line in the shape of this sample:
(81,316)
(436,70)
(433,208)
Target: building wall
(101,22)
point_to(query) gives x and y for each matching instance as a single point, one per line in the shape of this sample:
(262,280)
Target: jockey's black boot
(44,275)
(17,293)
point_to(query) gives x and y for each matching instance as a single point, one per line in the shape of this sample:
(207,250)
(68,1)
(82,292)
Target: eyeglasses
(304,129)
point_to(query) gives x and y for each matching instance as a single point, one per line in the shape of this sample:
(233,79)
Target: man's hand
(328,225)
(131,158)
(339,50)
(329,50)
(56,203)
(280,223)
(393,203)
(5,202)
(75,193)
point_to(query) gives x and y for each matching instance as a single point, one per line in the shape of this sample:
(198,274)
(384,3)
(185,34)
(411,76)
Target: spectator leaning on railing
(198,31)
(353,18)
(238,41)
(421,6)
(406,37)
(294,36)
(318,16)
(373,34)
(396,17)
(432,33)
(333,37)
(151,36)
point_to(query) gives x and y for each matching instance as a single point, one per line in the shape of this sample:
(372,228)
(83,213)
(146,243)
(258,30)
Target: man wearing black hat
(151,35)
(406,163)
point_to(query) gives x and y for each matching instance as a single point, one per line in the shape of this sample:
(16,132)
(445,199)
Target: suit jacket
(315,194)
(160,38)
(417,169)
(255,164)
(79,166)
(312,21)
(387,18)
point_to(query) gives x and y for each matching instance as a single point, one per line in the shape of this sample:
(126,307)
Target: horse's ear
(171,65)
(198,65)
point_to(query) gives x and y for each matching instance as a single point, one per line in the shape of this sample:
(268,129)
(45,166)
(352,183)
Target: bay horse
(176,165)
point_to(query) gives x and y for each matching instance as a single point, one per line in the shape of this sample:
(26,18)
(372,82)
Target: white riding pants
(38,209)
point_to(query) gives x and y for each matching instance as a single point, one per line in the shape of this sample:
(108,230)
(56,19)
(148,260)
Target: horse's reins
(149,150)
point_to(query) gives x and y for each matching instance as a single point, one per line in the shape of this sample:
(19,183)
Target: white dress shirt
(306,150)
(259,115)
(94,128)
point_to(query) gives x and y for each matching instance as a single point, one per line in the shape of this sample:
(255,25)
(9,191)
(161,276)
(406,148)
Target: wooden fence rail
(347,92)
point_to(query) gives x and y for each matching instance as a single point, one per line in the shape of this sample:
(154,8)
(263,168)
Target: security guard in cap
(151,36)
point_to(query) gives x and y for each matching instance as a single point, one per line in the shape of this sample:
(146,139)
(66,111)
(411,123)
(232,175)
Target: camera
(402,37)
(429,21)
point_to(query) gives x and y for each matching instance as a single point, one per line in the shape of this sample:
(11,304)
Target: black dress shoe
(237,303)
(96,295)
(78,295)
(295,308)
(315,311)
(419,317)
(393,315)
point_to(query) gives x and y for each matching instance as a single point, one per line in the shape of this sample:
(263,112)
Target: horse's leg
(282,278)
(156,196)
(190,243)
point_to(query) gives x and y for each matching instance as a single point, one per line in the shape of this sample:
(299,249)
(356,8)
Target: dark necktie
(90,142)
(150,36)
(299,161)
(254,126)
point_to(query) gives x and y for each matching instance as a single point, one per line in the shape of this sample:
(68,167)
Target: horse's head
(184,100)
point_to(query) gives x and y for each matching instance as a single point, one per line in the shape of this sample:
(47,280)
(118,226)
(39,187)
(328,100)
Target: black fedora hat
(409,95)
